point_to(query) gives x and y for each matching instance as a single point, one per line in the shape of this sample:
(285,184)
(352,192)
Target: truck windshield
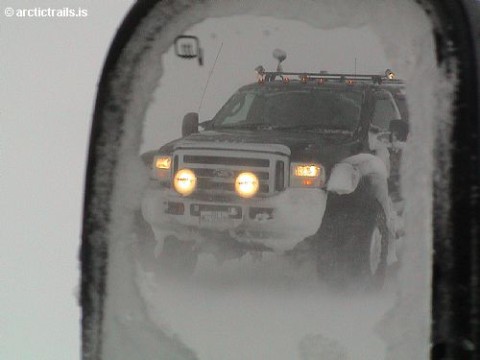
(327,109)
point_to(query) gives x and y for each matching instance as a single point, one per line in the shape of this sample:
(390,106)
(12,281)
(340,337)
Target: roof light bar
(389,77)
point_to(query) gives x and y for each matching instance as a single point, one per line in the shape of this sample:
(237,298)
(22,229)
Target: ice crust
(133,326)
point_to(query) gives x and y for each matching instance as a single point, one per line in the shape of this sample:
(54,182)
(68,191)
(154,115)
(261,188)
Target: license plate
(214,217)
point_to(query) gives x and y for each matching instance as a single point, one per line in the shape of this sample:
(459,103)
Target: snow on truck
(293,161)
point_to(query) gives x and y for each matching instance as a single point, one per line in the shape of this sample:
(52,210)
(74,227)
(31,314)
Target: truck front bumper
(278,222)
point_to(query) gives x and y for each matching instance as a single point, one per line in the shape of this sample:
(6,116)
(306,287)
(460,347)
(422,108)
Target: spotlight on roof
(389,74)
(280,55)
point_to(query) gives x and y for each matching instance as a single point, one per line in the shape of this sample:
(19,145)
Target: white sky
(48,74)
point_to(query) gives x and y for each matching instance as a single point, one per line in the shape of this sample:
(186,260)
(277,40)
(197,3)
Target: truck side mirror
(190,124)
(398,130)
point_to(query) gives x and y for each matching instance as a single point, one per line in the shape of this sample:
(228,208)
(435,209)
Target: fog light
(246,184)
(185,182)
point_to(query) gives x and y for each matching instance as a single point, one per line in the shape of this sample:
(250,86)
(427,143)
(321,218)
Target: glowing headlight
(162,162)
(184,182)
(307,170)
(161,168)
(307,175)
(246,184)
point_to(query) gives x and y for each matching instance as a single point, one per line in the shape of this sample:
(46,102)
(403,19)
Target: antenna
(209,76)
(355,67)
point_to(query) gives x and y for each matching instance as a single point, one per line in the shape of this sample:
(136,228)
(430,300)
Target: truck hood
(299,146)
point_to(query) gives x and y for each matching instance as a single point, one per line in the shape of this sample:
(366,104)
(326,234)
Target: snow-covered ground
(266,309)
(49,68)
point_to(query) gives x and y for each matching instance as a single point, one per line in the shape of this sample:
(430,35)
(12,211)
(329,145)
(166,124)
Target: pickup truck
(292,161)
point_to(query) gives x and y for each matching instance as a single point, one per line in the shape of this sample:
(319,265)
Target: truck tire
(352,243)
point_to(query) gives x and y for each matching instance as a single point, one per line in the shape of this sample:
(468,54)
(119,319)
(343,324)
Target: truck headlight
(307,175)
(246,184)
(307,170)
(185,181)
(162,162)
(161,168)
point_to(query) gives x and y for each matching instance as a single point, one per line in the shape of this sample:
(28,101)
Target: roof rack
(374,78)
(388,77)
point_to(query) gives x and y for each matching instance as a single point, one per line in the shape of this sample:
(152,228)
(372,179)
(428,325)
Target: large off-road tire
(352,243)
(177,258)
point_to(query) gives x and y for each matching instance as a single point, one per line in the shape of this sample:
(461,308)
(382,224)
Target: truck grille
(216,173)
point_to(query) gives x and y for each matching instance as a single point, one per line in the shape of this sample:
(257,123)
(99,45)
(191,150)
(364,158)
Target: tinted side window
(384,111)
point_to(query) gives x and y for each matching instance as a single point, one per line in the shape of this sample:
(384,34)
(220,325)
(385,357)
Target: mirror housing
(190,124)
